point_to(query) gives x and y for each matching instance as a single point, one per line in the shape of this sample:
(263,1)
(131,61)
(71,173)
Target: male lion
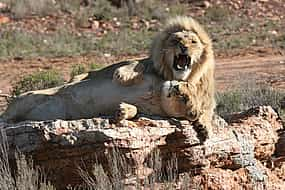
(182,51)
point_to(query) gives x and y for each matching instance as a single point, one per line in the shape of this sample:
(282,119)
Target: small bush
(248,96)
(94,66)
(77,70)
(37,81)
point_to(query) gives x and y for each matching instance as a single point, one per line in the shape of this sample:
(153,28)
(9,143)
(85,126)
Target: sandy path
(268,70)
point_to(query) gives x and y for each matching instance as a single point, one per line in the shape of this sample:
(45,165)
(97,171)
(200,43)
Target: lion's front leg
(125,111)
(129,74)
(185,95)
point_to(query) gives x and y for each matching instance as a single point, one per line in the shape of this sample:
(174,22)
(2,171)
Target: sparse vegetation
(36,81)
(217,13)
(119,169)
(125,42)
(23,8)
(77,70)
(26,177)
(249,95)
(94,66)
(25,44)
(229,31)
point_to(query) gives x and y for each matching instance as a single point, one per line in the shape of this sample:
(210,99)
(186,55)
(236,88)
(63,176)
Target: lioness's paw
(175,89)
(125,111)
(128,74)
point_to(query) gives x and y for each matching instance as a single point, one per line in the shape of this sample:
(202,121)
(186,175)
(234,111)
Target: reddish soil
(265,70)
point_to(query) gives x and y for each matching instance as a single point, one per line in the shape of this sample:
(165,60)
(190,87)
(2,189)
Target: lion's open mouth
(181,62)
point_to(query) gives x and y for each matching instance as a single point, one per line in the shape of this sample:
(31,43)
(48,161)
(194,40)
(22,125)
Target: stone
(230,159)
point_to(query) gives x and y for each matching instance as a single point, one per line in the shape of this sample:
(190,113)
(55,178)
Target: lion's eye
(193,41)
(174,41)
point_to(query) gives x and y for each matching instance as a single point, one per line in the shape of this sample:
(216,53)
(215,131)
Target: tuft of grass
(69,6)
(118,169)
(94,66)
(103,9)
(280,41)
(100,179)
(23,8)
(77,70)
(37,81)
(177,8)
(248,96)
(25,176)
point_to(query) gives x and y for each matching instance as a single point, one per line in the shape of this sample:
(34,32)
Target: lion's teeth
(179,67)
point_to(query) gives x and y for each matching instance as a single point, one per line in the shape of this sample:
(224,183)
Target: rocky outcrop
(239,155)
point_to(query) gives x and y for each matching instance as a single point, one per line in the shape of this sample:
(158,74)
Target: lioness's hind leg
(125,111)
(129,74)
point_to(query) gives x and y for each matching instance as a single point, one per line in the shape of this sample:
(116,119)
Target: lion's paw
(204,131)
(125,111)
(193,115)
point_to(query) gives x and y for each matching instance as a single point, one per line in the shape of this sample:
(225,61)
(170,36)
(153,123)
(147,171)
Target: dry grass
(118,174)
(247,95)
(229,31)
(25,176)
(23,8)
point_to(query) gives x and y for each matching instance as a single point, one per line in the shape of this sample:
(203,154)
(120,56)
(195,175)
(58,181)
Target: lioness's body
(96,95)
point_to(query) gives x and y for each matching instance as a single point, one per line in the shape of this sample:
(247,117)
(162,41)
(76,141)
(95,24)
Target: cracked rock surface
(246,152)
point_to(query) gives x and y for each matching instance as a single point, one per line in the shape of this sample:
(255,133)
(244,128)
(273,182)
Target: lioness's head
(180,48)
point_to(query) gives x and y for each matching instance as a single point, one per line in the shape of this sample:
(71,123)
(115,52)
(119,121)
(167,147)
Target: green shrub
(37,81)
(94,66)
(77,70)
(248,96)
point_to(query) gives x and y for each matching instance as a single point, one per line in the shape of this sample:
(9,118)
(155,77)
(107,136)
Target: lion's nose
(184,49)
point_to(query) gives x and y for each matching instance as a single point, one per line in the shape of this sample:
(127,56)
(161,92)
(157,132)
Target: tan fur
(186,32)
(133,83)
(97,95)
(201,79)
